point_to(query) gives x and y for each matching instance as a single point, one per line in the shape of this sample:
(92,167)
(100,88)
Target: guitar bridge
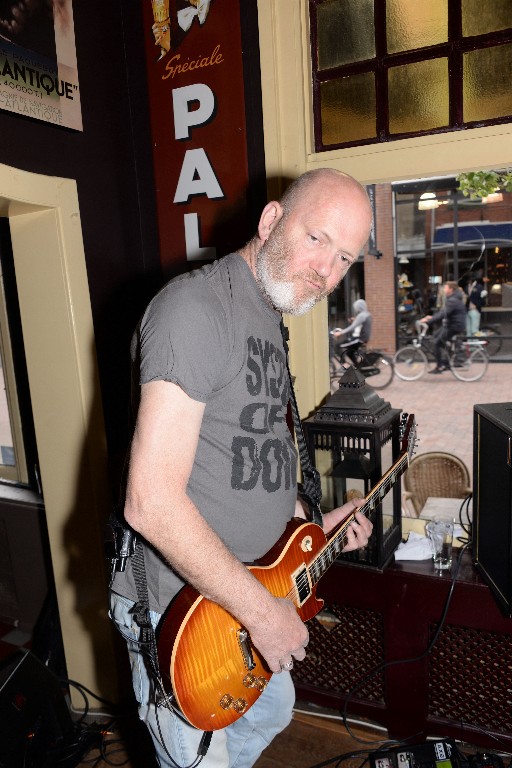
(245,650)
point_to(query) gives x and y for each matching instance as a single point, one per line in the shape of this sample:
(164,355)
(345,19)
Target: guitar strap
(141,608)
(310,490)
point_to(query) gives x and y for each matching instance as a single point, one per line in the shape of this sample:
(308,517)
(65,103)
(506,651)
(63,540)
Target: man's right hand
(281,636)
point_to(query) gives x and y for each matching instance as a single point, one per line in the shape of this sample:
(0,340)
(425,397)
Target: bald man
(212,471)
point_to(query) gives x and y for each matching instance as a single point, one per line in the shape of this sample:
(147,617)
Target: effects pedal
(438,753)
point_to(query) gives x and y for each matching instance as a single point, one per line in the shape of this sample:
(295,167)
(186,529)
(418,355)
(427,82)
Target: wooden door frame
(51,277)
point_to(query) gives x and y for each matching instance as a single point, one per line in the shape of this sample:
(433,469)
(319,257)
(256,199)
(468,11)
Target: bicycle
(467,359)
(413,360)
(372,363)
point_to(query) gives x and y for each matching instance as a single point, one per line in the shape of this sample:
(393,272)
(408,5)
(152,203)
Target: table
(441,507)
(436,507)
(461,689)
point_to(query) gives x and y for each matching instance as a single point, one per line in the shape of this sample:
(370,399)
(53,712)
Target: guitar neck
(338,537)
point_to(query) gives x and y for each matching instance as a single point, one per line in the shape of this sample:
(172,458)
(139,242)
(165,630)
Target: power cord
(147,649)
(386,665)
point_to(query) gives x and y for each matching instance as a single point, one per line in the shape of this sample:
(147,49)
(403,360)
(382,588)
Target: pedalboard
(436,753)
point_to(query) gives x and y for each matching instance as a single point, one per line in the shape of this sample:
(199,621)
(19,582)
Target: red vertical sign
(196,92)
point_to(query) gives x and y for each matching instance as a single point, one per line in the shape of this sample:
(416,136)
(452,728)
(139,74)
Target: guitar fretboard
(338,538)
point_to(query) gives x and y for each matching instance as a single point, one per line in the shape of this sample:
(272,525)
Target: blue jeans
(473,321)
(237,746)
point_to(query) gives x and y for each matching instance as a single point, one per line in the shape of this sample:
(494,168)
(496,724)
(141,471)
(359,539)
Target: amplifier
(39,731)
(492,499)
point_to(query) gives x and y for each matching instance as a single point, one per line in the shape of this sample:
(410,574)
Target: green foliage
(481,183)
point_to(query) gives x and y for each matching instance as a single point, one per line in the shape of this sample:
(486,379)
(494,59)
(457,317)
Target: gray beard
(280,293)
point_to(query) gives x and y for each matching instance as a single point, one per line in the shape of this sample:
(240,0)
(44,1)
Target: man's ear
(270,216)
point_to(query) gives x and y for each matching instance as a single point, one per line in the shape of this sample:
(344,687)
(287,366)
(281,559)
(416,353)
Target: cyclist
(453,319)
(359,331)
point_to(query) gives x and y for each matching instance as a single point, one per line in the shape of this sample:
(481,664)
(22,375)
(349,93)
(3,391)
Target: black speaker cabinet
(35,718)
(492,499)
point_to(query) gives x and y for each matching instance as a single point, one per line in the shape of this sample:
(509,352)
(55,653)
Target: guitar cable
(147,649)
(122,544)
(386,665)
(381,667)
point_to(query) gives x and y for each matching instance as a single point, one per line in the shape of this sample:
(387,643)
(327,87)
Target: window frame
(453,50)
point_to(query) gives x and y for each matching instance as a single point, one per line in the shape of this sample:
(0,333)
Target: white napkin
(417,547)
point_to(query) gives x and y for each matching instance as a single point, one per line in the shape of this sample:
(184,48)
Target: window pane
(482,16)
(6,442)
(13,465)
(348,109)
(345,32)
(411,24)
(486,83)
(9,414)
(418,96)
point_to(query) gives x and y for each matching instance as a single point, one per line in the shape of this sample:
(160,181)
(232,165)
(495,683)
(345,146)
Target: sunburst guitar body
(206,658)
(206,655)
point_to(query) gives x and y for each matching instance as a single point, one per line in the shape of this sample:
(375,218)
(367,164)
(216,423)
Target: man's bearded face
(286,285)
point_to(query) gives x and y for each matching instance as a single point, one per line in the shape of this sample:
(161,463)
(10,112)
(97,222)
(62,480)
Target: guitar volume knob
(240,705)
(226,701)
(251,681)
(260,683)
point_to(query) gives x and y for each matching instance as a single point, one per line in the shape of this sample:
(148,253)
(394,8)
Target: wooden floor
(312,741)
(308,742)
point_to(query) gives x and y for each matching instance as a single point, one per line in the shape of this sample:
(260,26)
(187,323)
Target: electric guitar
(206,656)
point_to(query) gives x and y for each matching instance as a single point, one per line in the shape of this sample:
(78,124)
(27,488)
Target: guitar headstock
(408,434)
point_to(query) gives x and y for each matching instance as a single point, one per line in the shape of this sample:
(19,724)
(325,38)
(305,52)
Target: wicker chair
(435,474)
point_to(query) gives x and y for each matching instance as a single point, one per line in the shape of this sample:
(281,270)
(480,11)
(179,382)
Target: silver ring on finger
(287,666)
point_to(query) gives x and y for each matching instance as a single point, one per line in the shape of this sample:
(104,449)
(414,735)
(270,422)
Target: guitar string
(339,536)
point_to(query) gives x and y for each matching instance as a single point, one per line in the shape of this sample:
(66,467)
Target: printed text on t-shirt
(271,461)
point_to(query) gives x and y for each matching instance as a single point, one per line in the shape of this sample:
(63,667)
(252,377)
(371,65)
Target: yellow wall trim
(56,317)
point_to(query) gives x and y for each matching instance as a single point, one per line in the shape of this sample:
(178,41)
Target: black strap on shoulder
(141,608)
(310,490)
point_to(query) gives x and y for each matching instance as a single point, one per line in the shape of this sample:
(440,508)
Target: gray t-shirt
(212,333)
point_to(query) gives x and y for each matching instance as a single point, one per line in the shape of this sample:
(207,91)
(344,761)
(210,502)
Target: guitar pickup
(245,650)
(302,584)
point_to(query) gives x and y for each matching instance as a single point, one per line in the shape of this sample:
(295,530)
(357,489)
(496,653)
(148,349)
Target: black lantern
(353,441)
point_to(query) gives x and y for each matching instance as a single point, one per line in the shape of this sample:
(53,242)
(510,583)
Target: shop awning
(474,235)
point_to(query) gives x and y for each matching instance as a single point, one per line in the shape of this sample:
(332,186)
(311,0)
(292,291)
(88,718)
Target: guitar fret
(333,548)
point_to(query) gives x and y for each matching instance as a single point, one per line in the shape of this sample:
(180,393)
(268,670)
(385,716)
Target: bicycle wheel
(410,363)
(493,339)
(468,364)
(379,371)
